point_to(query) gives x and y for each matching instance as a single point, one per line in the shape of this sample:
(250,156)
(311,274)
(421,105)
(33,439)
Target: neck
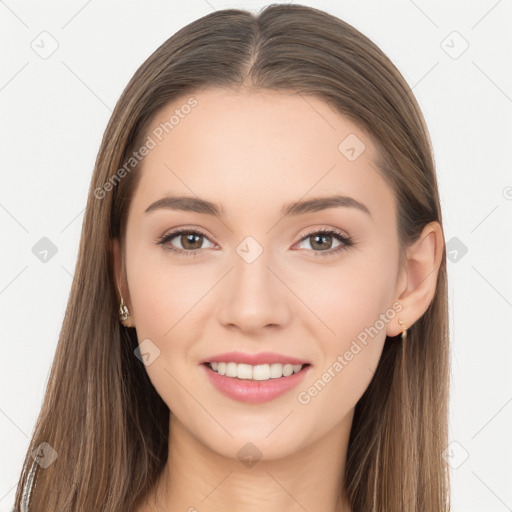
(196,478)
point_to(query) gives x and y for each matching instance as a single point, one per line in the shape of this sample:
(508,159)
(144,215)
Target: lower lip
(254,391)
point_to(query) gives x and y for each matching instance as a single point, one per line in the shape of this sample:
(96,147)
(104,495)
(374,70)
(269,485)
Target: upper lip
(253,359)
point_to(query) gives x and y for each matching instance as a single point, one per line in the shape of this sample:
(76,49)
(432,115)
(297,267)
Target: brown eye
(321,242)
(189,241)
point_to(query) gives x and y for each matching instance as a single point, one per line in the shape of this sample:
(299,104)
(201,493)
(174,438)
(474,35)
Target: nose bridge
(254,296)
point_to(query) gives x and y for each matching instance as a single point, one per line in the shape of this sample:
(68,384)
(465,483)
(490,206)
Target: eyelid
(324,228)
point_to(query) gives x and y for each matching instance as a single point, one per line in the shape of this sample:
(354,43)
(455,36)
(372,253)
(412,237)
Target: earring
(124,312)
(404,332)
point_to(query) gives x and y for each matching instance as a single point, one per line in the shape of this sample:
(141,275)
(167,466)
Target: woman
(258,317)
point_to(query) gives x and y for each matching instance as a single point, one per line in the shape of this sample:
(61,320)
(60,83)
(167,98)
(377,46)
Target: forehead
(250,149)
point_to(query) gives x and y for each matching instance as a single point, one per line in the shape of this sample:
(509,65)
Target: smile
(257,372)
(254,384)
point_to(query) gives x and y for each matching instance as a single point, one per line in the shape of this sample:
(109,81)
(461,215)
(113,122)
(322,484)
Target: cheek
(166,300)
(355,303)
(345,298)
(171,302)
(163,289)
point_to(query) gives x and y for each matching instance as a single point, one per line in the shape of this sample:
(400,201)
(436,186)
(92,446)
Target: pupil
(190,239)
(321,237)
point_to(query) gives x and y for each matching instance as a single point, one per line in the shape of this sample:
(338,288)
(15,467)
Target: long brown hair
(102,415)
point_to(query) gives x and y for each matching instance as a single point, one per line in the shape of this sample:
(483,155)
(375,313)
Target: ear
(119,272)
(417,280)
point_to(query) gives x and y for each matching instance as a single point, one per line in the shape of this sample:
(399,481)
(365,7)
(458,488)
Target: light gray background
(54,111)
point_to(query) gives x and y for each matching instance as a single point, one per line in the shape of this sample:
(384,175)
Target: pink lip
(253,359)
(253,391)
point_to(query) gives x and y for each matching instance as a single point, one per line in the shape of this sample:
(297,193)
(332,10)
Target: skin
(252,152)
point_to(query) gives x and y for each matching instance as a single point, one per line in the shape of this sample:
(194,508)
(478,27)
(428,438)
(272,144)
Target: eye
(190,241)
(323,240)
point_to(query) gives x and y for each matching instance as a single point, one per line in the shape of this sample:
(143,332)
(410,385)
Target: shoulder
(27,489)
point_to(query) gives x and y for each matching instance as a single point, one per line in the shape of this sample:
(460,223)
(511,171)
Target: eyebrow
(197,205)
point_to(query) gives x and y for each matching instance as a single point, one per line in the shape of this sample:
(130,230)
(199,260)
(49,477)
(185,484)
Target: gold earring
(124,312)
(404,332)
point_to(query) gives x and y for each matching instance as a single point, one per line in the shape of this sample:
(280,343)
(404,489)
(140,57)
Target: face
(315,285)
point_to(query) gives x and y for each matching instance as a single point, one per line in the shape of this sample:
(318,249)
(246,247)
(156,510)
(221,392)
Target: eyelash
(346,241)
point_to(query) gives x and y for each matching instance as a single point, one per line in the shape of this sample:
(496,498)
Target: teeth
(231,370)
(258,372)
(242,371)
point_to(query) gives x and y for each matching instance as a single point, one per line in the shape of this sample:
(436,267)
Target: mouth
(254,384)
(259,372)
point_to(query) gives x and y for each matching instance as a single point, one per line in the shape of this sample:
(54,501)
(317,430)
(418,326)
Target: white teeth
(276,370)
(244,371)
(231,370)
(258,372)
(287,370)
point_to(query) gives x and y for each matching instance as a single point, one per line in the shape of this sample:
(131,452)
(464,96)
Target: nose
(254,296)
